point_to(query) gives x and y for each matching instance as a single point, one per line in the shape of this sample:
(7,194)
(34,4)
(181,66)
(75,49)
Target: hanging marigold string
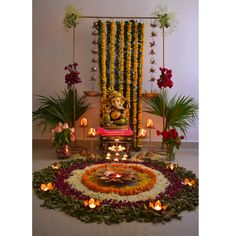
(140,76)
(103,60)
(112,55)
(108,37)
(121,86)
(135,82)
(117,56)
(128,62)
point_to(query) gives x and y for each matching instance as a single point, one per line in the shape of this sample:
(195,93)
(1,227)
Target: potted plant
(62,136)
(172,141)
(179,112)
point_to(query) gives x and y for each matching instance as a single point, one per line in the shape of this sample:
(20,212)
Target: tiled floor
(55,223)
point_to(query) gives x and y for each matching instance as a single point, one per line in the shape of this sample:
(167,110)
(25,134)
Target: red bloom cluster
(165,78)
(171,137)
(73,76)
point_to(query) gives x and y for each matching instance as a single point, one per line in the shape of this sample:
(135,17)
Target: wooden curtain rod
(119,17)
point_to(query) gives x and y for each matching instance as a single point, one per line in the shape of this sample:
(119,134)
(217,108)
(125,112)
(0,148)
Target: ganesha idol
(114,114)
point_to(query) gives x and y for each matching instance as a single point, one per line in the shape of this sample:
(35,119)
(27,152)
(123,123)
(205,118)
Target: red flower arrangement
(165,78)
(171,137)
(73,76)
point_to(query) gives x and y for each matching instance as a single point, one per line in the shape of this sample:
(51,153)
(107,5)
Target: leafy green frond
(180,111)
(59,109)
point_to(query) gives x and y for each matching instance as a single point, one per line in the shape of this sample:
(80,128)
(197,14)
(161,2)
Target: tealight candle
(189,182)
(92,132)
(118,175)
(142,133)
(157,206)
(56,165)
(92,203)
(47,187)
(116,159)
(171,166)
(124,157)
(108,157)
(84,122)
(149,123)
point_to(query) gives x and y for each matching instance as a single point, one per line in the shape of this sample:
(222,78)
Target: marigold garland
(128,62)
(121,87)
(135,82)
(112,55)
(103,60)
(121,67)
(140,76)
(117,57)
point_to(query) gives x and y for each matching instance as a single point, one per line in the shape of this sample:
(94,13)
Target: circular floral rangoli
(128,191)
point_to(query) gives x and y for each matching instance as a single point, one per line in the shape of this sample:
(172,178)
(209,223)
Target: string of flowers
(121,87)
(140,76)
(108,39)
(103,60)
(117,55)
(132,78)
(112,55)
(128,62)
(135,79)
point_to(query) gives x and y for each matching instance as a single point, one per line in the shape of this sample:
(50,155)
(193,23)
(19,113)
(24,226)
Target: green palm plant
(57,109)
(179,111)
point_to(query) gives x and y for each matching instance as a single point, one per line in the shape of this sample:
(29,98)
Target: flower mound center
(122,179)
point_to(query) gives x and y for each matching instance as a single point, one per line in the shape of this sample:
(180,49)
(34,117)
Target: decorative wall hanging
(94,68)
(152,61)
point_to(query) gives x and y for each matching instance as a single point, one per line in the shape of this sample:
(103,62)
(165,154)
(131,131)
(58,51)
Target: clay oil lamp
(92,132)
(157,206)
(142,133)
(149,124)
(84,122)
(47,187)
(189,182)
(171,166)
(56,165)
(91,203)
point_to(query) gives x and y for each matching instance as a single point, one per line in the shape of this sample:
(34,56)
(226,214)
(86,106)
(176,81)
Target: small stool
(108,137)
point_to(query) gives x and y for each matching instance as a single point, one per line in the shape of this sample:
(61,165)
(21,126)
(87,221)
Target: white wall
(52,48)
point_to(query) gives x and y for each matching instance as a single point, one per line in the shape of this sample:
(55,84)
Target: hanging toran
(120,59)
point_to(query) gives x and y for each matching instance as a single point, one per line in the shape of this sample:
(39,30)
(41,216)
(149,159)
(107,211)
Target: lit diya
(56,165)
(92,203)
(189,182)
(171,166)
(47,187)
(142,133)
(92,132)
(157,206)
(149,124)
(84,122)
